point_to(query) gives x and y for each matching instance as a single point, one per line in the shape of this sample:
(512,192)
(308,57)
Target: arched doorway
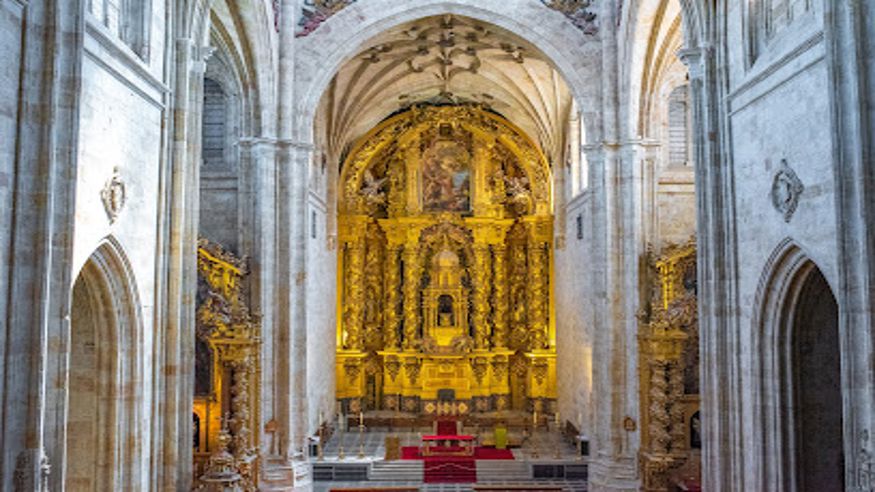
(103,431)
(799,385)
(816,381)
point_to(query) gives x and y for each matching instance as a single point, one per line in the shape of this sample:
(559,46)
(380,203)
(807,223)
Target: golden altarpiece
(227,366)
(669,371)
(445,267)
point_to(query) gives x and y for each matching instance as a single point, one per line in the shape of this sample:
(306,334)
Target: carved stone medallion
(786,190)
(114,196)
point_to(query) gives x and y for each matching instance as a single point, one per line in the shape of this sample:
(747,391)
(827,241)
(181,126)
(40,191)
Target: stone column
(615,257)
(499,296)
(392,288)
(412,278)
(482,277)
(39,111)
(851,42)
(290,322)
(300,239)
(261,156)
(723,463)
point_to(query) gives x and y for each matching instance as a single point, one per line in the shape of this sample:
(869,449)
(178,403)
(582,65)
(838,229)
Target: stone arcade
(605,245)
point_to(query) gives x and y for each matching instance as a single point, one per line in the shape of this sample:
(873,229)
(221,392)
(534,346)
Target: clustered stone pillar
(499,297)
(412,276)
(482,270)
(392,288)
(354,316)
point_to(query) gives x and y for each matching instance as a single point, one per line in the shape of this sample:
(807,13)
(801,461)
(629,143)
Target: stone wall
(778,116)
(121,135)
(321,313)
(574,317)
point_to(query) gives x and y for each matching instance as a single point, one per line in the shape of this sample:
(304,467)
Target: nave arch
(322,53)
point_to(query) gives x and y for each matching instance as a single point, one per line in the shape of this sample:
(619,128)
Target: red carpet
(454,469)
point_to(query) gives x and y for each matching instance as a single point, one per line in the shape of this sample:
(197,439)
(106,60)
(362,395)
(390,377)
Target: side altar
(445,267)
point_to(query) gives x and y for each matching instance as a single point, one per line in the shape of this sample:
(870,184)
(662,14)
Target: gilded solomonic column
(538,280)
(482,271)
(354,318)
(499,296)
(412,276)
(662,346)
(353,281)
(391,320)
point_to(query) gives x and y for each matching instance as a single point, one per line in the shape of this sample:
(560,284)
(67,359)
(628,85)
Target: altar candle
(557,418)
(361,418)
(535,417)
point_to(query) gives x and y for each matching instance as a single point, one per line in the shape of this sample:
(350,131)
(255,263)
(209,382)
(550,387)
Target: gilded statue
(373,189)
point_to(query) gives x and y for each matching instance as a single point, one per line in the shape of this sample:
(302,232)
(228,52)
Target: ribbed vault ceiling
(447,59)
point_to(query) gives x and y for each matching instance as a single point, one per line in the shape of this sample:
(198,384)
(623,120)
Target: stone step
(278,475)
(401,470)
(502,470)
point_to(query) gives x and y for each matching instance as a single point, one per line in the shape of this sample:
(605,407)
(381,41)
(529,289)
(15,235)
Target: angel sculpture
(517,187)
(372,189)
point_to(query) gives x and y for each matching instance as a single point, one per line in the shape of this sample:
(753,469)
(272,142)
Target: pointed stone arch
(798,420)
(105,391)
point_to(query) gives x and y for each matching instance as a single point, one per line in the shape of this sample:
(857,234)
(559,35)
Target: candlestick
(320,454)
(361,454)
(361,418)
(341,453)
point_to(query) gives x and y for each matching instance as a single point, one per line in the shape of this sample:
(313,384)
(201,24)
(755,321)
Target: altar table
(453,445)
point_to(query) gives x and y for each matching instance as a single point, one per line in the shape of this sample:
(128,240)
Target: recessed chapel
(434,245)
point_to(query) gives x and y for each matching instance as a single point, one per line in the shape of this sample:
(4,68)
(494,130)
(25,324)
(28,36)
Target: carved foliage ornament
(114,195)
(786,190)
(393,367)
(315,12)
(577,11)
(352,368)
